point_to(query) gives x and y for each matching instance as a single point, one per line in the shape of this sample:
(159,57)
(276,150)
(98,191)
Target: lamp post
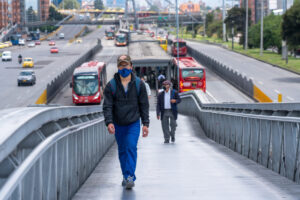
(224,25)
(232,33)
(177,28)
(246,26)
(262,28)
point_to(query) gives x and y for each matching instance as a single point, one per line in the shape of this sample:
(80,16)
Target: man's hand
(158,117)
(173,100)
(145,131)
(111,128)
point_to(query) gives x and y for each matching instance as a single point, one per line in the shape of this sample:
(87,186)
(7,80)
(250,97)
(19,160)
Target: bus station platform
(194,167)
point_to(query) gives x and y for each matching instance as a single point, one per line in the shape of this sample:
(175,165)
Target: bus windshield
(121,39)
(192,73)
(181,44)
(86,85)
(110,34)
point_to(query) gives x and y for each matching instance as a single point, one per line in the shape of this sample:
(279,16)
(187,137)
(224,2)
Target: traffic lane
(109,55)
(69,31)
(220,91)
(268,78)
(192,168)
(14,96)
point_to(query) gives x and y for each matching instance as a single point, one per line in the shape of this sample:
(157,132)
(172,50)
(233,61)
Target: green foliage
(272,36)
(209,19)
(54,14)
(48,28)
(98,4)
(291,25)
(236,18)
(215,28)
(69,4)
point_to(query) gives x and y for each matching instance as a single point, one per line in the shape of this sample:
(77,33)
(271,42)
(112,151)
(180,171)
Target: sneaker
(123,182)
(129,183)
(167,141)
(173,139)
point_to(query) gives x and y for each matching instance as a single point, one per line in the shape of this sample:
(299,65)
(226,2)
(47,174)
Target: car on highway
(37,42)
(28,62)
(22,42)
(26,77)
(78,40)
(61,36)
(6,56)
(8,43)
(51,43)
(54,50)
(2,45)
(31,44)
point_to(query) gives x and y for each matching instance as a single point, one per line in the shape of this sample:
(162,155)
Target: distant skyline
(212,3)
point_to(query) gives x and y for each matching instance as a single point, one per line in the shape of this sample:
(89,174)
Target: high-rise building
(251,6)
(16,11)
(4,13)
(255,6)
(44,9)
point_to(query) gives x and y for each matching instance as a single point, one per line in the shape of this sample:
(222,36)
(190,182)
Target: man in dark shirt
(125,102)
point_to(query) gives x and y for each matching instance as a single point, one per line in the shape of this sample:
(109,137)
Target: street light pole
(177,28)
(246,26)
(224,25)
(262,28)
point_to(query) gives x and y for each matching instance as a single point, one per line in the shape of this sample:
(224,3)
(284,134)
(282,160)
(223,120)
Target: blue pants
(127,139)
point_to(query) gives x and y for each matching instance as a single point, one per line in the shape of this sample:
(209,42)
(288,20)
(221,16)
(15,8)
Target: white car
(22,41)
(6,56)
(61,36)
(31,44)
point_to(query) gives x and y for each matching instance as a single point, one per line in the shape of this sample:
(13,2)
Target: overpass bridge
(222,150)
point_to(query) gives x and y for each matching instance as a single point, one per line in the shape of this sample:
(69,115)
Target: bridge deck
(192,168)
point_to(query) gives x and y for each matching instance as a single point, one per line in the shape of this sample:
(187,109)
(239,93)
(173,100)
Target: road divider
(51,34)
(232,76)
(78,34)
(62,79)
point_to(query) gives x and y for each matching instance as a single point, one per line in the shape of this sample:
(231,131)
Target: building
(190,7)
(4,19)
(16,11)
(115,3)
(44,9)
(255,6)
(56,2)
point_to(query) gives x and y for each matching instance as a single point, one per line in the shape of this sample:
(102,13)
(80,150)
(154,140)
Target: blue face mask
(124,72)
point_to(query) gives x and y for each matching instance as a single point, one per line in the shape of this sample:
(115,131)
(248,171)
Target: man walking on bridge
(166,110)
(125,102)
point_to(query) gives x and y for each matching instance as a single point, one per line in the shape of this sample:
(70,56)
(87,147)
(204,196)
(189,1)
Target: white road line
(277,91)
(209,94)
(260,82)
(290,98)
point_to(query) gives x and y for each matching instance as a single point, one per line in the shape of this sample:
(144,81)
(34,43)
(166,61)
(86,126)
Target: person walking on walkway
(166,110)
(125,102)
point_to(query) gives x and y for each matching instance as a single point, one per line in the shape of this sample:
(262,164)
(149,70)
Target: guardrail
(265,133)
(62,79)
(48,152)
(235,78)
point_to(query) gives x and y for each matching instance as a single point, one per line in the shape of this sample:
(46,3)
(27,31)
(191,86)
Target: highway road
(47,67)
(271,80)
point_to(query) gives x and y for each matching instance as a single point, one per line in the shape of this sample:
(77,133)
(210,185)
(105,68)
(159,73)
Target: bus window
(181,44)
(192,74)
(85,85)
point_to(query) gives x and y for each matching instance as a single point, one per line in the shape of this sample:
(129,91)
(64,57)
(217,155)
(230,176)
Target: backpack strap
(113,86)
(137,85)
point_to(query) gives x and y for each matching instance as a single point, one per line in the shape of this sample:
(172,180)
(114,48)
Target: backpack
(114,85)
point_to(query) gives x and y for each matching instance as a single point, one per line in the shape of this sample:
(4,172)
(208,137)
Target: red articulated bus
(190,73)
(88,83)
(182,48)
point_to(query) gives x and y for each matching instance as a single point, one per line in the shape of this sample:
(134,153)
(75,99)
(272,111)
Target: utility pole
(246,26)
(262,28)
(177,28)
(224,25)
(284,43)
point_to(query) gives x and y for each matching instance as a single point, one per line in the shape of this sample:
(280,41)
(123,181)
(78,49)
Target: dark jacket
(125,108)
(160,107)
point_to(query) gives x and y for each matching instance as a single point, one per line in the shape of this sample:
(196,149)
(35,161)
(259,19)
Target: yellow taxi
(28,62)
(8,43)
(2,45)
(163,43)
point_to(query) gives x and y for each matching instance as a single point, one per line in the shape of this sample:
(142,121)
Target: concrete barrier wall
(260,135)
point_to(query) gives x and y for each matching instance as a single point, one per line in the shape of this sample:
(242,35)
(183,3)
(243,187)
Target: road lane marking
(290,98)
(277,91)
(209,94)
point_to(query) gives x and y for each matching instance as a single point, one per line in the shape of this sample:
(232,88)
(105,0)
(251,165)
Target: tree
(209,19)
(291,25)
(154,8)
(54,14)
(215,28)
(98,4)
(272,33)
(69,4)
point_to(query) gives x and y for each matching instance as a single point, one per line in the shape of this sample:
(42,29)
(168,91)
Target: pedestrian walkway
(192,168)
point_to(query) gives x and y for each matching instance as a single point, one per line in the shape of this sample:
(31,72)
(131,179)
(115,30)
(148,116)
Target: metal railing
(51,151)
(265,133)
